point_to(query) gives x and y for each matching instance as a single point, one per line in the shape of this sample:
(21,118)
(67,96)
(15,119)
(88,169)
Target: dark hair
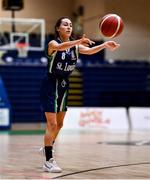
(58,23)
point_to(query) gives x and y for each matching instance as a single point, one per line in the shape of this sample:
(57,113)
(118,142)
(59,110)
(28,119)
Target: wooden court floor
(81,155)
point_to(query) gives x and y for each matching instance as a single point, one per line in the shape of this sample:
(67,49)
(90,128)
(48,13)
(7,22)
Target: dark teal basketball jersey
(62,63)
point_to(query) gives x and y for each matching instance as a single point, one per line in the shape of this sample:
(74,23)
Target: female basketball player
(62,56)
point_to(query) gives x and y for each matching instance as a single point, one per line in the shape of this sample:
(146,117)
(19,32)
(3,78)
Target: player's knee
(52,125)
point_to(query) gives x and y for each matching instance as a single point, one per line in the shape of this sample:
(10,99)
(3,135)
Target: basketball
(111,25)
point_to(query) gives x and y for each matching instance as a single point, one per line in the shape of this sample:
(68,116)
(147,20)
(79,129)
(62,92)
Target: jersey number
(63,56)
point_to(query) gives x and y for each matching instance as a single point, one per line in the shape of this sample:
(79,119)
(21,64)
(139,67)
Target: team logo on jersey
(59,66)
(67,50)
(63,83)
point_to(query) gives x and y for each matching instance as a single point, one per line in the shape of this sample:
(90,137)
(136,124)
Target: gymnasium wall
(135,44)
(50,10)
(135,40)
(93,10)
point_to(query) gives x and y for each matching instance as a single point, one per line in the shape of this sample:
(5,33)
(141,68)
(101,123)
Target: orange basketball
(111,25)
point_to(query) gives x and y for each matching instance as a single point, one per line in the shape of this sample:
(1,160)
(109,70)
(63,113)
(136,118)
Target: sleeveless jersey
(62,63)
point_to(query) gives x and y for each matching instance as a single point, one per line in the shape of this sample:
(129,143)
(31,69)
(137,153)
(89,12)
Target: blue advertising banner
(5,122)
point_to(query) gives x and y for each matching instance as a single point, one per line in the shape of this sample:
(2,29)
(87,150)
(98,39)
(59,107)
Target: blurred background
(103,80)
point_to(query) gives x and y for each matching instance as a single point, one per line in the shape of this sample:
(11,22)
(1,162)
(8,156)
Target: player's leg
(51,127)
(48,98)
(60,119)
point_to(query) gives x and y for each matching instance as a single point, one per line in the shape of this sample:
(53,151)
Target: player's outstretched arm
(54,46)
(111,45)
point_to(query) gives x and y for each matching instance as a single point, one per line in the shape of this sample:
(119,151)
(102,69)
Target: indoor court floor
(81,154)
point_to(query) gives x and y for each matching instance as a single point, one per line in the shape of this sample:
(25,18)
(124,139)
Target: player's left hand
(111,45)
